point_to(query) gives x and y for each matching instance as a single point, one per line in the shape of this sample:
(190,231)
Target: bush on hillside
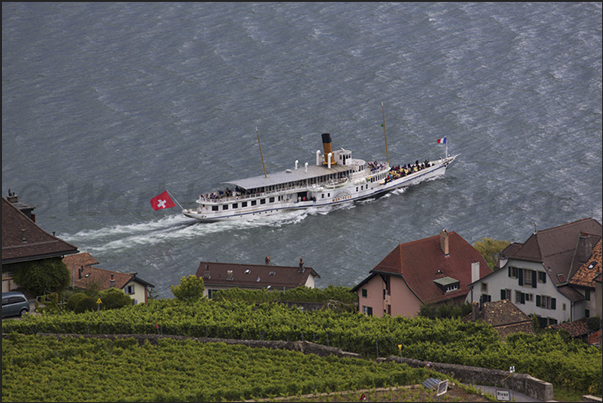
(114,298)
(73,300)
(432,311)
(190,289)
(490,249)
(87,303)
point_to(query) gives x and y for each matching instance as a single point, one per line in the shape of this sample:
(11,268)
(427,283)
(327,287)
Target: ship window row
(377,178)
(245,204)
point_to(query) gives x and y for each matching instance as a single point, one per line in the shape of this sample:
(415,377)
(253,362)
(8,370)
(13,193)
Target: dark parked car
(14,304)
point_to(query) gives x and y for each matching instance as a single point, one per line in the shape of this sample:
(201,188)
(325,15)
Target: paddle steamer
(335,178)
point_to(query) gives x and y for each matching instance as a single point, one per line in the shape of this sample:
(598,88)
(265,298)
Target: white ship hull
(325,184)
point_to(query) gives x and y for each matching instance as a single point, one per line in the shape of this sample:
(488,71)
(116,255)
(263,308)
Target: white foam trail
(178,227)
(173,228)
(399,191)
(165,222)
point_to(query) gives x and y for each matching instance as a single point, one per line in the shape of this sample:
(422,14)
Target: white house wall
(310,281)
(139,294)
(499,280)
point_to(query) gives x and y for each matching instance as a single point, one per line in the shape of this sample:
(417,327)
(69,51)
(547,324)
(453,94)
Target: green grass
(566,395)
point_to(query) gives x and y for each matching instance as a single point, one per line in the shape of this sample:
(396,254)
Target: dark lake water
(105,105)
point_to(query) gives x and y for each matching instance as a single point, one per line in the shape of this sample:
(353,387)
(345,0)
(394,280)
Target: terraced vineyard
(550,357)
(37,368)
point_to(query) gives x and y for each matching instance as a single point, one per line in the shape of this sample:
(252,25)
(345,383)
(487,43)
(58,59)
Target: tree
(490,249)
(190,289)
(593,323)
(42,276)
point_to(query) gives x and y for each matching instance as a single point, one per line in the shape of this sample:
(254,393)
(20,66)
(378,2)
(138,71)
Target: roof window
(447,284)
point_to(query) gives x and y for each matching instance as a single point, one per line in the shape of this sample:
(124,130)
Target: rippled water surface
(105,105)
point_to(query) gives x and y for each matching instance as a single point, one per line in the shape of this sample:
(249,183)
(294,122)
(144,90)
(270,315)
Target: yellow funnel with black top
(326,144)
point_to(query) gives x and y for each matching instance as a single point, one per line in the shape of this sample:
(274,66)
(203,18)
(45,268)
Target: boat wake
(169,230)
(175,228)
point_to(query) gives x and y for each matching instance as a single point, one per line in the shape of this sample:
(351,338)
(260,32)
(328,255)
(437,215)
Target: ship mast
(262,155)
(385,134)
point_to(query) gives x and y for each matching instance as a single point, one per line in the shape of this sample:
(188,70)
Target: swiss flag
(162,201)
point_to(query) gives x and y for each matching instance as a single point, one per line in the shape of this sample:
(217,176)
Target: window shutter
(534,280)
(538,300)
(489,298)
(522,297)
(544,278)
(509,271)
(503,294)
(553,303)
(520,276)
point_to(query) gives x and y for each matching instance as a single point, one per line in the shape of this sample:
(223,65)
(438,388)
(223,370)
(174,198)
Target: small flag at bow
(442,141)
(162,201)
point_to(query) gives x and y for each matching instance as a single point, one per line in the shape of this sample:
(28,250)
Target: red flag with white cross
(162,201)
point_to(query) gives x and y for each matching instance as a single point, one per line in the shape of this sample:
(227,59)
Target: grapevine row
(548,356)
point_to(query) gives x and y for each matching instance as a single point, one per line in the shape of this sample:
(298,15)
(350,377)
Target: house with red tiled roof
(434,270)
(551,274)
(221,276)
(25,241)
(577,329)
(84,276)
(595,338)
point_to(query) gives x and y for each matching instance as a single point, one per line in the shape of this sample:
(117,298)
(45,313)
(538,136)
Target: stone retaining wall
(522,383)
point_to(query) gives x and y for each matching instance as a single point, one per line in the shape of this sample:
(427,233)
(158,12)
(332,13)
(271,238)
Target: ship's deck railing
(239,196)
(220,197)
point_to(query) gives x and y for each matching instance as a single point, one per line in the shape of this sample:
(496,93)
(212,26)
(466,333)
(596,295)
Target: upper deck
(291,176)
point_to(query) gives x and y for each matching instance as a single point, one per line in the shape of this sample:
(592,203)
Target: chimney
(585,247)
(444,244)
(12,197)
(24,208)
(301,268)
(474,272)
(326,145)
(112,282)
(474,311)
(267,260)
